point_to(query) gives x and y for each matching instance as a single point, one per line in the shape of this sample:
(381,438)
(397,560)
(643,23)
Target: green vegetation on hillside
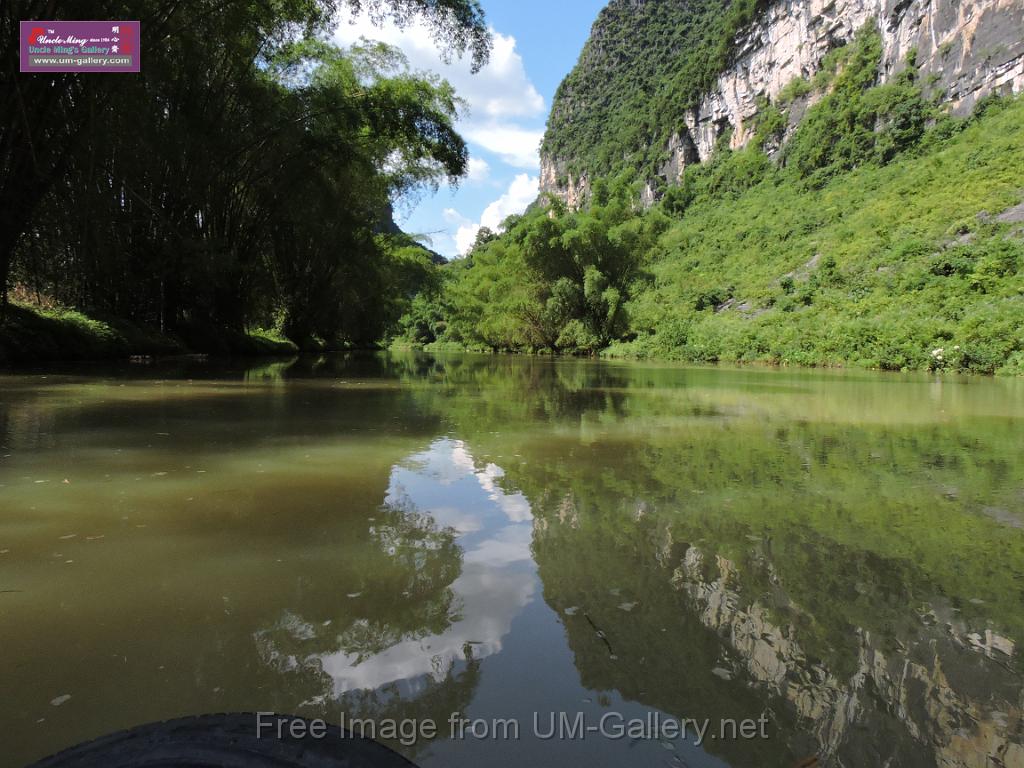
(873,240)
(645,64)
(242,180)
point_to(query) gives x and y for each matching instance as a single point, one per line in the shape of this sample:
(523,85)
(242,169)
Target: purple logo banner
(80,46)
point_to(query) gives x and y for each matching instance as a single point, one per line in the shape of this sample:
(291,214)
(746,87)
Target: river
(836,557)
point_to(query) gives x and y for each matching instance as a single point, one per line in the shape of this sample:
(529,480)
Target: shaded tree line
(243,179)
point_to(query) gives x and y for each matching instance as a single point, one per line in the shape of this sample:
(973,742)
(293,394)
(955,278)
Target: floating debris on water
(62,699)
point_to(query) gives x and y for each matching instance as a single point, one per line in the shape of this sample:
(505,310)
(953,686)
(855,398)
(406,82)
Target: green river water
(839,554)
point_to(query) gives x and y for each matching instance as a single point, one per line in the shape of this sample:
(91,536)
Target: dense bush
(856,123)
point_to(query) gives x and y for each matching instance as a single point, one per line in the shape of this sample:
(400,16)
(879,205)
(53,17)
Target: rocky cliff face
(969,48)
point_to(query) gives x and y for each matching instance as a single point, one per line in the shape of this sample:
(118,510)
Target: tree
(172,214)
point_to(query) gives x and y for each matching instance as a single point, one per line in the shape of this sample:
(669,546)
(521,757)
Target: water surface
(840,554)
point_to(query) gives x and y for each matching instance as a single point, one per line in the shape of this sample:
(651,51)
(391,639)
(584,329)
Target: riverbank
(624,353)
(33,334)
(37,335)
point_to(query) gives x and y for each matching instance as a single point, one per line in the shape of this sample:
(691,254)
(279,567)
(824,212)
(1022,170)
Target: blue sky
(536,43)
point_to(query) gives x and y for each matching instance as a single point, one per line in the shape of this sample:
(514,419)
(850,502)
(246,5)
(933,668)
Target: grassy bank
(914,264)
(37,334)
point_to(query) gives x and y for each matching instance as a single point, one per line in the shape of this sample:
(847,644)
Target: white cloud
(465,236)
(503,89)
(479,170)
(521,192)
(519,147)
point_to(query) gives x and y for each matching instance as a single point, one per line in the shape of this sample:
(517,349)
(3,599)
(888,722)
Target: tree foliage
(555,281)
(243,178)
(644,65)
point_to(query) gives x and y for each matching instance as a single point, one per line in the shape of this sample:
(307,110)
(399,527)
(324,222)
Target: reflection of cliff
(629,632)
(928,700)
(701,635)
(850,576)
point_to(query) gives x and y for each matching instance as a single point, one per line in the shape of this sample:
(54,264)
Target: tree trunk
(10,233)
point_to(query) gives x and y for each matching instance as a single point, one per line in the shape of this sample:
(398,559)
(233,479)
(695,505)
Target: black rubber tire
(224,741)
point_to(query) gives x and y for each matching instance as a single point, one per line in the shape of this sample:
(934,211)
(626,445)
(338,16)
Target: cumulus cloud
(465,237)
(479,170)
(521,192)
(519,147)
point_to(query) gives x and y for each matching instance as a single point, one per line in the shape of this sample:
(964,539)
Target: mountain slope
(859,217)
(917,263)
(660,83)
